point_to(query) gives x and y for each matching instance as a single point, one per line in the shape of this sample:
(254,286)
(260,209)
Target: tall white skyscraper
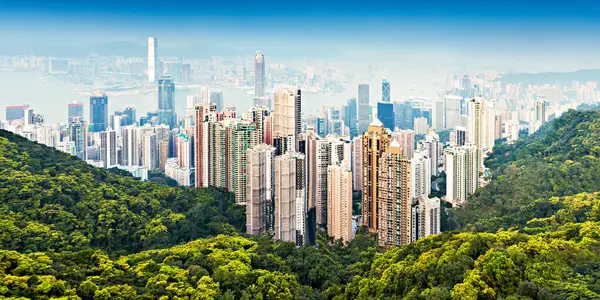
(339,201)
(108,148)
(152,59)
(462,173)
(452,111)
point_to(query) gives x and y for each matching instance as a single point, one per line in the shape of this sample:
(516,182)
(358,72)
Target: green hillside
(561,159)
(75,232)
(51,201)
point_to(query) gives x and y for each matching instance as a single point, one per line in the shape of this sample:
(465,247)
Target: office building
(260,188)
(153,59)
(98,112)
(438,116)
(462,174)
(350,117)
(216,97)
(375,142)
(403,115)
(406,139)
(108,148)
(75,110)
(385,92)
(339,201)
(364,110)
(385,114)
(452,111)
(421,126)
(393,198)
(129,112)
(16,112)
(77,133)
(259,75)
(166,102)
(425,217)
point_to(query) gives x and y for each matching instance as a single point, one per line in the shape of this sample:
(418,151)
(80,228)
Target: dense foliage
(534,234)
(562,158)
(51,201)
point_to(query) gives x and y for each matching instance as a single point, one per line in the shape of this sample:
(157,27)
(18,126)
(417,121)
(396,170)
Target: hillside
(556,259)
(562,158)
(533,233)
(51,201)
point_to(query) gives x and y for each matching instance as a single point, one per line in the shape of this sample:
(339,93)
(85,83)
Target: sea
(49,95)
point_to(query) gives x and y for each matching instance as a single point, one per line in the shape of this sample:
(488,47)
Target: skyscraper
(375,142)
(241,136)
(350,117)
(426,217)
(108,148)
(129,111)
(98,111)
(77,132)
(438,115)
(201,142)
(166,102)
(216,97)
(259,75)
(393,197)
(452,111)
(385,114)
(385,91)
(403,115)
(152,59)
(75,110)
(260,188)
(461,136)
(540,110)
(16,112)
(287,113)
(285,198)
(406,139)
(339,201)
(462,173)
(149,150)
(357,163)
(421,126)
(420,175)
(363,108)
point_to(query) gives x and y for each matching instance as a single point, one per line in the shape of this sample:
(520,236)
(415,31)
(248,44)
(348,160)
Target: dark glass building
(166,102)
(403,112)
(98,112)
(385,114)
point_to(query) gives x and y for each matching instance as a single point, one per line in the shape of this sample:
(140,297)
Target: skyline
(553,32)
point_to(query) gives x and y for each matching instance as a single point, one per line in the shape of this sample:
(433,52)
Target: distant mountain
(552,77)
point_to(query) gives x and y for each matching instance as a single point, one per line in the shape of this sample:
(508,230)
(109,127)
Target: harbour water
(49,96)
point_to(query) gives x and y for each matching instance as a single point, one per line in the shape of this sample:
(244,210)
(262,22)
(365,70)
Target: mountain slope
(52,201)
(562,158)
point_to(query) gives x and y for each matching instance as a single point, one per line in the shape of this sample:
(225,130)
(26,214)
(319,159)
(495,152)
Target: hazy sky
(564,34)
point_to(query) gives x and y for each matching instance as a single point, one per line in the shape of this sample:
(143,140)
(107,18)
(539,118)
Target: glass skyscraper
(98,112)
(166,102)
(350,117)
(75,111)
(385,114)
(385,92)
(363,108)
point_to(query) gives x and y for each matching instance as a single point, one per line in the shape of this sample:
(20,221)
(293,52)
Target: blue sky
(430,25)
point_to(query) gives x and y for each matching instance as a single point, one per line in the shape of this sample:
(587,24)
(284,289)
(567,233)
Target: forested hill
(561,159)
(50,201)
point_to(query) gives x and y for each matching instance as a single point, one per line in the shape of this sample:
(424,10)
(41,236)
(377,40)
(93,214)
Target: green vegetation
(53,202)
(85,233)
(562,158)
